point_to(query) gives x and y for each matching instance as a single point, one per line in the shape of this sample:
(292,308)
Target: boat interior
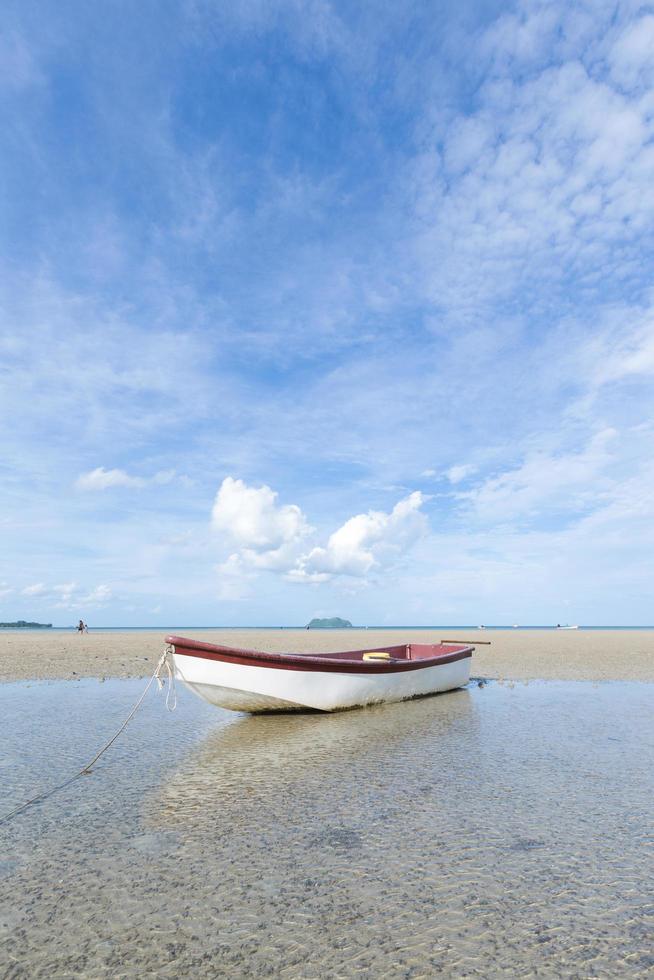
(406,651)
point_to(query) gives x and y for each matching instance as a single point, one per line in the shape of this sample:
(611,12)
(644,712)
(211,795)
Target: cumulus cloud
(365,542)
(273,537)
(268,535)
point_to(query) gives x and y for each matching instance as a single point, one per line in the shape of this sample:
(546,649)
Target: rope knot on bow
(167,665)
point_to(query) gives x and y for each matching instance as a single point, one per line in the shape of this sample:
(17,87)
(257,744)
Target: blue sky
(320,308)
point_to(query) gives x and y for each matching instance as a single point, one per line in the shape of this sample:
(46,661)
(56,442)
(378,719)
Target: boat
(559,627)
(253,681)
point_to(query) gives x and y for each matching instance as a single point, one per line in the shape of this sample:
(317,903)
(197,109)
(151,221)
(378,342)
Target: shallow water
(495,831)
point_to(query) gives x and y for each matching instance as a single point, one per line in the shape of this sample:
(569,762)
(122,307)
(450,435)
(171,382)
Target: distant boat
(515,626)
(247,680)
(559,627)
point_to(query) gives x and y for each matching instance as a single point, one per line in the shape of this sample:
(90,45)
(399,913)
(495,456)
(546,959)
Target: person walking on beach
(82,627)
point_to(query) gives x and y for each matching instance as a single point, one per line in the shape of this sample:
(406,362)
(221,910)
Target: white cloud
(268,535)
(548,176)
(234,579)
(97,596)
(524,36)
(365,542)
(456,474)
(632,56)
(626,352)
(271,537)
(37,589)
(65,593)
(546,483)
(467,144)
(164,476)
(101,479)
(68,595)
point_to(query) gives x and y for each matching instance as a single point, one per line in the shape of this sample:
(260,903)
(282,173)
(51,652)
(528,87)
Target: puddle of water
(496,830)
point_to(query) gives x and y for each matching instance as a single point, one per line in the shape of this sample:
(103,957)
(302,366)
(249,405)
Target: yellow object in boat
(376,655)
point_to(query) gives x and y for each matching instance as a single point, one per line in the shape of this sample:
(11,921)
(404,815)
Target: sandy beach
(513,655)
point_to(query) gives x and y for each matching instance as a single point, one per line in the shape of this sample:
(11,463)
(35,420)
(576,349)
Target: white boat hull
(241,687)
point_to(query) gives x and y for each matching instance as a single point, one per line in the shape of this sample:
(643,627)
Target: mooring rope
(165,663)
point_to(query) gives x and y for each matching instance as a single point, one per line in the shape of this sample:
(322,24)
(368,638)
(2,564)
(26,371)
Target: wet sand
(513,654)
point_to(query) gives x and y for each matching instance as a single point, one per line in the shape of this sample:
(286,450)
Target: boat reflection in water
(269,759)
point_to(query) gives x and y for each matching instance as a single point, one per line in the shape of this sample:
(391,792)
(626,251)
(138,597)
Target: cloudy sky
(312,307)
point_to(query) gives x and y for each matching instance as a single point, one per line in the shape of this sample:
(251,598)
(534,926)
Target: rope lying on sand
(164,664)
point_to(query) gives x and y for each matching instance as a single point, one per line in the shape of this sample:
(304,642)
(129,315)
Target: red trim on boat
(424,655)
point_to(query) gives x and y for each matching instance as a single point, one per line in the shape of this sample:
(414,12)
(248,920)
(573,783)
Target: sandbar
(513,655)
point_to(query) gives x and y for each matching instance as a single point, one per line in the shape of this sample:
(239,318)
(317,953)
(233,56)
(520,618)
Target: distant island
(329,624)
(20,624)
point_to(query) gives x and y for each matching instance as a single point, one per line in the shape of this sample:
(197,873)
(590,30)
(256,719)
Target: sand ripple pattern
(497,831)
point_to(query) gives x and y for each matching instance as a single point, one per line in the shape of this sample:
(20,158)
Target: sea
(175,628)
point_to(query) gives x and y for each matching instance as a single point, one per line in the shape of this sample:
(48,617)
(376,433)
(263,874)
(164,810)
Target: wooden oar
(473,643)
